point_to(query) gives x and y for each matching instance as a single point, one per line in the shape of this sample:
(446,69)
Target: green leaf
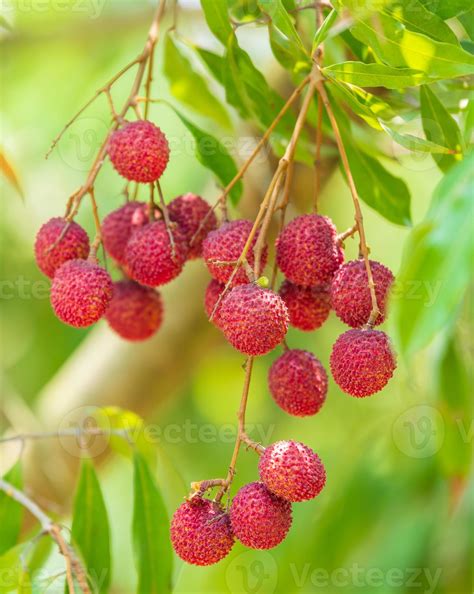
(90,528)
(399,47)
(448,9)
(440,127)
(189,87)
(116,418)
(467,21)
(323,31)
(375,75)
(217,18)
(214,63)
(285,42)
(214,156)
(436,264)
(417,18)
(11,512)
(12,574)
(377,187)
(415,143)
(150,533)
(468,123)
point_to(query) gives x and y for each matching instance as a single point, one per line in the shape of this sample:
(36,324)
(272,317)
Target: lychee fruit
(350,292)
(260,519)
(51,253)
(149,254)
(308,307)
(189,211)
(139,151)
(298,383)
(201,533)
(213,292)
(362,362)
(118,226)
(254,320)
(292,471)
(81,293)
(225,245)
(135,312)
(307,250)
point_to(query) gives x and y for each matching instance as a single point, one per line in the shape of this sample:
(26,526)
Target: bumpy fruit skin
(149,255)
(225,245)
(118,226)
(81,293)
(308,307)
(188,211)
(139,151)
(254,320)
(213,292)
(292,471)
(362,362)
(298,383)
(307,251)
(260,519)
(350,292)
(74,245)
(135,312)
(200,532)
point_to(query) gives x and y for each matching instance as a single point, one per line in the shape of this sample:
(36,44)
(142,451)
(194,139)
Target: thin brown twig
(348,233)
(355,198)
(166,217)
(98,231)
(74,566)
(23,437)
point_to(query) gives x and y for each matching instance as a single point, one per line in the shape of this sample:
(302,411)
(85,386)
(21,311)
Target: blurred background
(396,514)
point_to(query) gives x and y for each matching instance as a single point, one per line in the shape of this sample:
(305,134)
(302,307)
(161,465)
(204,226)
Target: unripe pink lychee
(350,292)
(51,253)
(149,254)
(307,250)
(254,320)
(362,362)
(135,312)
(298,383)
(225,245)
(81,293)
(213,292)
(200,532)
(308,307)
(139,151)
(260,519)
(189,211)
(292,471)
(118,226)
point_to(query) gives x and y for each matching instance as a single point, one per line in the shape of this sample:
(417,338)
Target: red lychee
(260,519)
(149,255)
(118,226)
(292,471)
(362,362)
(298,383)
(308,307)
(189,211)
(225,245)
(135,312)
(213,292)
(81,293)
(139,151)
(307,251)
(51,253)
(350,292)
(200,532)
(254,320)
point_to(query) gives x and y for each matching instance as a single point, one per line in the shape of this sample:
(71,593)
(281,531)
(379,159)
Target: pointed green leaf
(376,75)
(214,62)
(447,9)
(150,533)
(436,266)
(188,86)
(217,18)
(90,528)
(415,143)
(323,31)
(440,127)
(213,155)
(11,512)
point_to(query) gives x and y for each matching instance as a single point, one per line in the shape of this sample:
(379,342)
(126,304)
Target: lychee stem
(348,233)
(355,198)
(166,216)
